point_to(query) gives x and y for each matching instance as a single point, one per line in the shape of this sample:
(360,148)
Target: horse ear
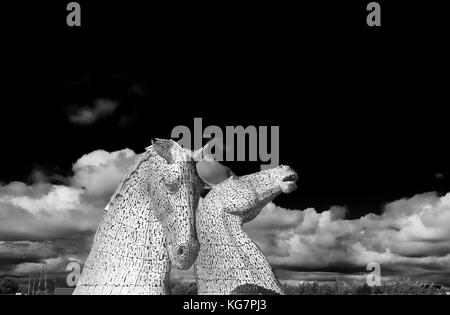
(163,148)
(204,153)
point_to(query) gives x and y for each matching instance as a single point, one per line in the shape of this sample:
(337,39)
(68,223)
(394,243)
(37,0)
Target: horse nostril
(181,250)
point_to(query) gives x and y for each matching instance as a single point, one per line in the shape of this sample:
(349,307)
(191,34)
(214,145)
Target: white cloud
(99,172)
(411,235)
(46,211)
(58,220)
(56,201)
(88,115)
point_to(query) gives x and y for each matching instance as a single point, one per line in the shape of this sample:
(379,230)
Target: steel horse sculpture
(147,225)
(229,262)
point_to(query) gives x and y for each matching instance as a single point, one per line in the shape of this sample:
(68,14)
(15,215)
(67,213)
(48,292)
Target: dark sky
(361,111)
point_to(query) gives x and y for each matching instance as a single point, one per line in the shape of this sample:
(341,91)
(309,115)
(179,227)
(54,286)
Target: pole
(29,284)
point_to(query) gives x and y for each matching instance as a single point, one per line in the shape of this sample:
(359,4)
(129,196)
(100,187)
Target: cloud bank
(410,238)
(57,222)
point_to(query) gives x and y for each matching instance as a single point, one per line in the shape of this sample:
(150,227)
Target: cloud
(88,115)
(52,265)
(99,172)
(44,211)
(410,238)
(57,221)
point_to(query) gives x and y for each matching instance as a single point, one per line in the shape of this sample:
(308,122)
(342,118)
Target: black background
(362,111)
(275,304)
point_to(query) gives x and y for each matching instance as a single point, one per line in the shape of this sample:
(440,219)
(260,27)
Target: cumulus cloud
(88,115)
(410,238)
(57,222)
(99,172)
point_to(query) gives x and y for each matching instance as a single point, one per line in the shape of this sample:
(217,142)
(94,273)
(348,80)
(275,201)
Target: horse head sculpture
(147,226)
(229,262)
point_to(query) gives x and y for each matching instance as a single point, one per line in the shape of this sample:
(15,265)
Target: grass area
(401,287)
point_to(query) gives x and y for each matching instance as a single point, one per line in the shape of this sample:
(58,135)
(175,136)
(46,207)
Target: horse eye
(172,186)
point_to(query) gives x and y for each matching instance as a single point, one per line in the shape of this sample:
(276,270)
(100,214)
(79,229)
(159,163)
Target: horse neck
(228,258)
(129,254)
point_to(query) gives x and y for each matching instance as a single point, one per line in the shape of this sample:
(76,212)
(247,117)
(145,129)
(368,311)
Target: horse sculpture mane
(148,224)
(229,262)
